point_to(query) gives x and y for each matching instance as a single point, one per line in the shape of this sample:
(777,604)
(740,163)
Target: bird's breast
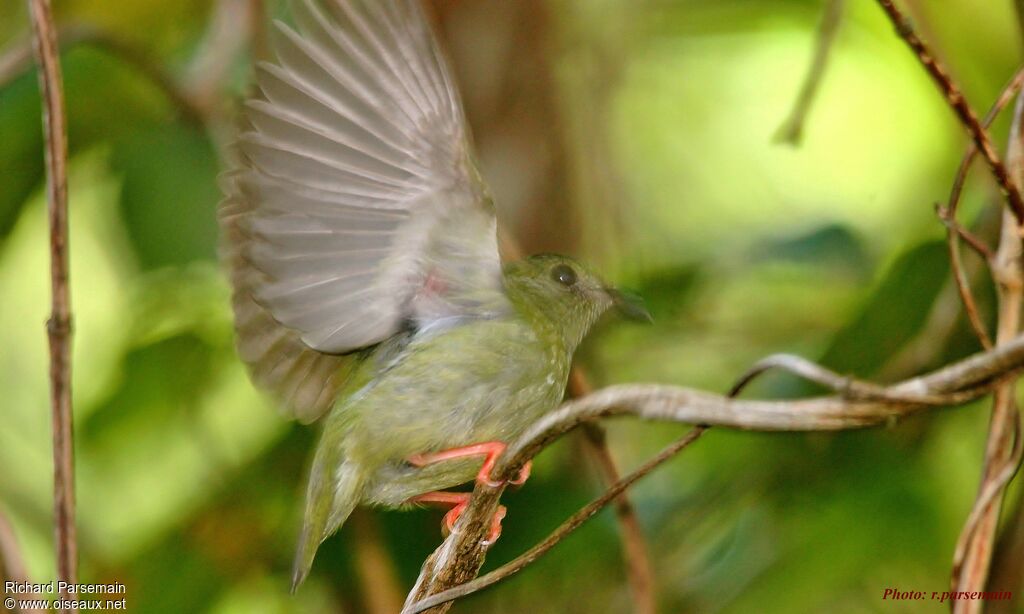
(480,381)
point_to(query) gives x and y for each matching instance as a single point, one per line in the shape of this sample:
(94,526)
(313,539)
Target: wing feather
(355,207)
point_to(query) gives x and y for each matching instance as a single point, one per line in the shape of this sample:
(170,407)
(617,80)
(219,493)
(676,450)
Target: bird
(361,245)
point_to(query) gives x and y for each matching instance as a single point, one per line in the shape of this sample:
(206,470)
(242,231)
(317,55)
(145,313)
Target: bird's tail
(330,498)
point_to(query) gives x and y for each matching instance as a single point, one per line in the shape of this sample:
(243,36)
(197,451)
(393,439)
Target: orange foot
(490,450)
(459,501)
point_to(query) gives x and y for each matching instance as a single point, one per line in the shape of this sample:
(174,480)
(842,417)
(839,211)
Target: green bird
(362,249)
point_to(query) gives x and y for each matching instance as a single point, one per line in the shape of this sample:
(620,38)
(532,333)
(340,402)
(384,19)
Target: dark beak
(630,305)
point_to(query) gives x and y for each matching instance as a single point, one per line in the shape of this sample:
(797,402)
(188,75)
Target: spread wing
(355,207)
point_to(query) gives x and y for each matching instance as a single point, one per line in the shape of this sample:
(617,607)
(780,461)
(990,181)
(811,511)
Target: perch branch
(791,131)
(461,555)
(956,100)
(567,527)
(59,325)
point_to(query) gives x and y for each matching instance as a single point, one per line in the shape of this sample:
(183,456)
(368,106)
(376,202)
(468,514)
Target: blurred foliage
(658,125)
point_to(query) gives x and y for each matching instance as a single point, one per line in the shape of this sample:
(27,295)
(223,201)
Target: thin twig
(459,558)
(59,324)
(791,131)
(963,286)
(973,558)
(1005,96)
(972,240)
(956,100)
(948,215)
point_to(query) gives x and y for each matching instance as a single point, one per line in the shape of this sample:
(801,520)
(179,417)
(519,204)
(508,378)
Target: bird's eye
(564,275)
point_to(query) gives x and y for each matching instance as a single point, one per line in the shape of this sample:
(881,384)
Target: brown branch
(955,98)
(972,240)
(791,131)
(972,560)
(461,555)
(59,324)
(960,278)
(18,59)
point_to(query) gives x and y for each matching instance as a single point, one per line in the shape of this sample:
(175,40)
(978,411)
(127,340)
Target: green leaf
(894,314)
(170,195)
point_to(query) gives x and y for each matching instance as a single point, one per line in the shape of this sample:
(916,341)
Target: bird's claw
(448,523)
(495,532)
(524,474)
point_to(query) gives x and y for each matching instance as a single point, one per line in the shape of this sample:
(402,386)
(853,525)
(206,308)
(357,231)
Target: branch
(955,99)
(861,404)
(791,131)
(59,324)
(973,556)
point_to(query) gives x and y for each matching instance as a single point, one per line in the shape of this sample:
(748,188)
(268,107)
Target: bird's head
(567,294)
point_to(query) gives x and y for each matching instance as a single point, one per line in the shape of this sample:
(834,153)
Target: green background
(635,134)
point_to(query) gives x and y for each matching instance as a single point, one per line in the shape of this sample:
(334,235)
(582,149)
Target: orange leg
(490,450)
(459,501)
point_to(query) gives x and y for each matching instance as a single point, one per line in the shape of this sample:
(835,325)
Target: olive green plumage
(482,380)
(362,250)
